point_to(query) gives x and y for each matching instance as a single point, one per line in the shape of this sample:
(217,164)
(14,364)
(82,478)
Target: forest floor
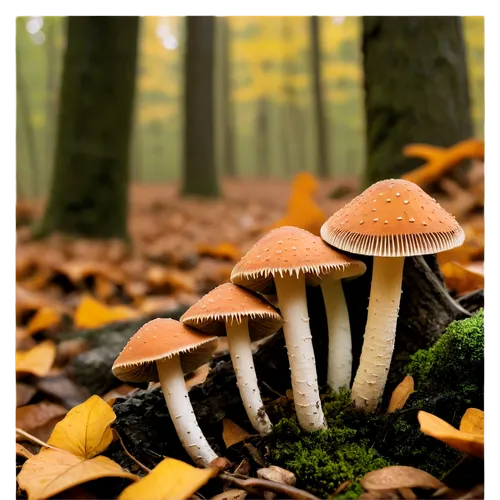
(180,249)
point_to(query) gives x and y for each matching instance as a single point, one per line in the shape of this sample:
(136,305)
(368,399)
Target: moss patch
(448,380)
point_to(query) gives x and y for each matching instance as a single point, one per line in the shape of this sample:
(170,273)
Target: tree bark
(89,195)
(323,157)
(416,89)
(199,172)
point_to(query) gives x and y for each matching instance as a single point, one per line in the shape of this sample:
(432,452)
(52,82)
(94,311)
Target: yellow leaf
(91,313)
(22,451)
(85,430)
(461,278)
(53,471)
(170,480)
(466,442)
(224,251)
(45,318)
(473,421)
(232,433)
(401,394)
(37,360)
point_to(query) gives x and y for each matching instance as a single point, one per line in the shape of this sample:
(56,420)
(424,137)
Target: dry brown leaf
(231,495)
(473,421)
(401,394)
(44,319)
(233,433)
(39,419)
(63,390)
(104,288)
(22,451)
(171,479)
(277,474)
(198,377)
(24,393)
(158,303)
(37,360)
(399,476)
(169,280)
(91,313)
(465,442)
(223,251)
(118,392)
(462,279)
(68,349)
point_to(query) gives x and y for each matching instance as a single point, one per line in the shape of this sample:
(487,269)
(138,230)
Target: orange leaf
(44,319)
(401,394)
(39,419)
(37,360)
(224,251)
(232,433)
(473,421)
(169,279)
(91,313)
(462,279)
(399,476)
(466,442)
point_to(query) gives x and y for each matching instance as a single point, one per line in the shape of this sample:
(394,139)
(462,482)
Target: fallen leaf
(91,313)
(231,495)
(54,471)
(465,442)
(104,288)
(24,393)
(223,251)
(399,476)
(37,360)
(118,392)
(401,394)
(473,421)
(62,389)
(168,280)
(44,319)
(85,431)
(277,474)
(462,279)
(200,374)
(39,419)
(68,349)
(22,451)
(232,433)
(171,479)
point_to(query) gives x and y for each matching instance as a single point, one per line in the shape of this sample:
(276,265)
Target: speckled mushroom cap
(161,339)
(393,218)
(291,250)
(231,303)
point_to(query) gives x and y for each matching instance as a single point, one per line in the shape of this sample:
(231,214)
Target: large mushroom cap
(162,339)
(231,303)
(291,250)
(393,218)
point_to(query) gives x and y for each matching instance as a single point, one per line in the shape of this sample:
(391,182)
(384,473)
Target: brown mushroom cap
(230,302)
(291,250)
(162,339)
(393,218)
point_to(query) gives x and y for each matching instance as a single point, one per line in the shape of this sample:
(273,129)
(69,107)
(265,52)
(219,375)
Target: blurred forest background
(264,97)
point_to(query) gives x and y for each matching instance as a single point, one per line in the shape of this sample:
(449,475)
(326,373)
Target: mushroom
(244,318)
(284,260)
(390,220)
(165,349)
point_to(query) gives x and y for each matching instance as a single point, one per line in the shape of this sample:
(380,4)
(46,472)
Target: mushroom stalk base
(291,292)
(380,332)
(339,335)
(241,356)
(181,412)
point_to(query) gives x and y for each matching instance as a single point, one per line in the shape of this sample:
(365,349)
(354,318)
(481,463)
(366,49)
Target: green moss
(448,380)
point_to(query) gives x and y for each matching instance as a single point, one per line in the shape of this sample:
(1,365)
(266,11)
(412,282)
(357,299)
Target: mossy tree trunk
(319,104)
(416,89)
(199,169)
(88,195)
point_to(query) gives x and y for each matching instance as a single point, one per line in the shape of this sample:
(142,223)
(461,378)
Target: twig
(129,455)
(35,440)
(252,485)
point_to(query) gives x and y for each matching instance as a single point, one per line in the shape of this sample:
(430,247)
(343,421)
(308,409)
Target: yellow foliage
(71,456)
(171,479)
(45,318)
(91,313)
(37,360)
(401,394)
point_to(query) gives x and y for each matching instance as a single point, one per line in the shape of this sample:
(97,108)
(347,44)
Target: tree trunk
(319,105)
(90,181)
(416,89)
(199,172)
(262,138)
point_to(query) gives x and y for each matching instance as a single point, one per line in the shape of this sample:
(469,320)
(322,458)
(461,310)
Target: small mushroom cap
(393,218)
(291,250)
(231,303)
(161,339)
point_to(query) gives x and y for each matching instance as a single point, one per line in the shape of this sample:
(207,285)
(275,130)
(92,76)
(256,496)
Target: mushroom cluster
(391,220)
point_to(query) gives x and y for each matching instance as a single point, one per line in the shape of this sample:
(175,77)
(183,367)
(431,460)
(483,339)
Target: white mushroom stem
(181,411)
(339,334)
(240,350)
(380,332)
(291,292)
